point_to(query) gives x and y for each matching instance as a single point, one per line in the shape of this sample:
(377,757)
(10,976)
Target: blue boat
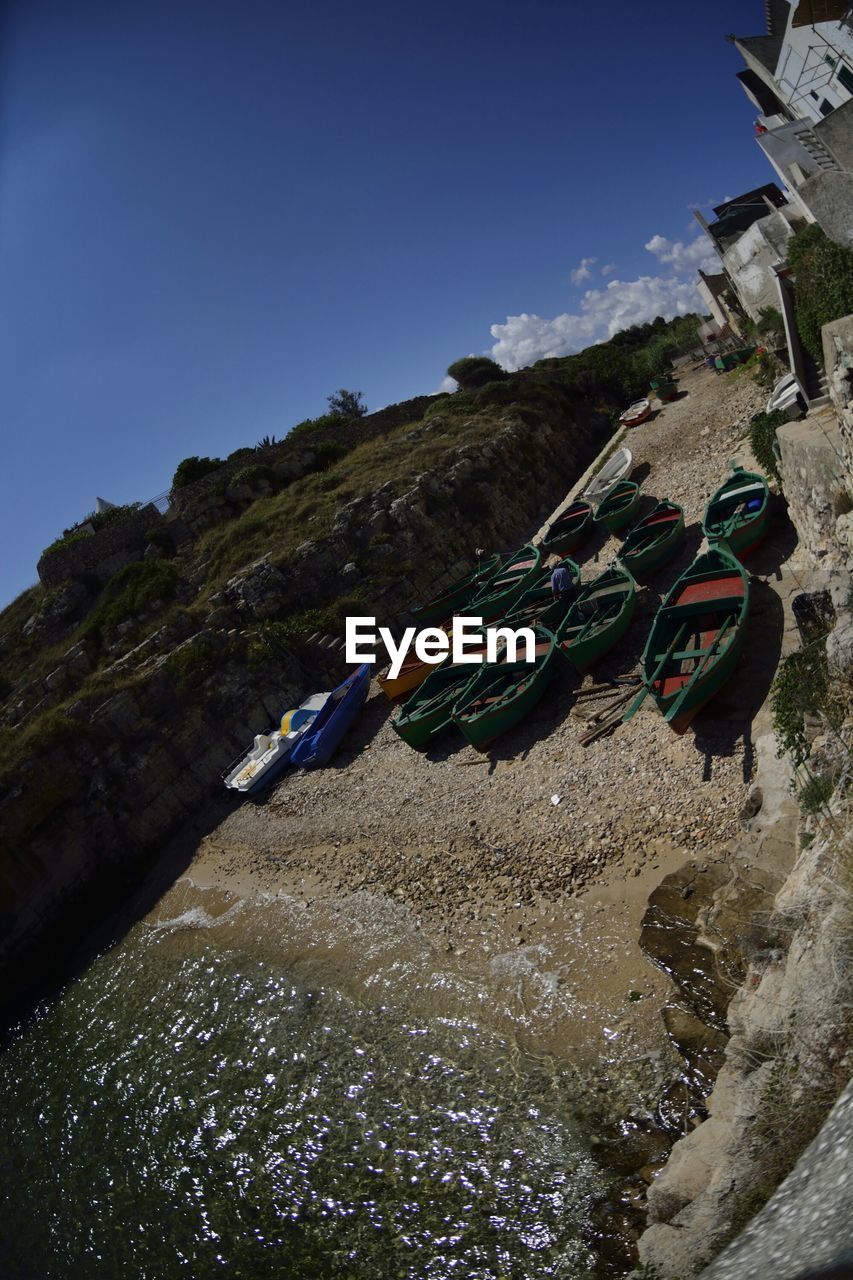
(338,713)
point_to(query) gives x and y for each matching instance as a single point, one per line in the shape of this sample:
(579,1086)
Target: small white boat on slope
(270,752)
(616,468)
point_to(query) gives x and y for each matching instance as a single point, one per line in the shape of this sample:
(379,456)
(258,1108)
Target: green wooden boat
(428,709)
(537,604)
(696,637)
(457,595)
(652,540)
(500,696)
(598,618)
(569,530)
(664,388)
(737,514)
(619,507)
(506,586)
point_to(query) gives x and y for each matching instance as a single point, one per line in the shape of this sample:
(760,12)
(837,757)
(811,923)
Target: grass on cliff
(306,510)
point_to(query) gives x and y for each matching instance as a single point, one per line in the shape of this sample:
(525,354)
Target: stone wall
(101,554)
(815,481)
(838,362)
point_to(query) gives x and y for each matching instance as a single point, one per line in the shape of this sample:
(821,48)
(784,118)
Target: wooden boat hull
(619,507)
(666,391)
(537,604)
(641,551)
(582,639)
(728,518)
(635,414)
(427,712)
(706,611)
(569,531)
(501,592)
(456,596)
(338,713)
(501,696)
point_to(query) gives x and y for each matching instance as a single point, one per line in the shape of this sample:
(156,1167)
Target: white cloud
(447,384)
(582,273)
(608,268)
(524,338)
(684,256)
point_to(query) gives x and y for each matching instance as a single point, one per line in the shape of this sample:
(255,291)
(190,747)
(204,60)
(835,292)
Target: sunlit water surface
(188,1109)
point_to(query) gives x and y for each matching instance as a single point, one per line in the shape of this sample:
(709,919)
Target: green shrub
(475,371)
(824,284)
(815,793)
(767,370)
(801,687)
(65,541)
(129,593)
(459,405)
(349,404)
(240,454)
(328,421)
(255,474)
(101,519)
(762,437)
(192,469)
(191,664)
(158,535)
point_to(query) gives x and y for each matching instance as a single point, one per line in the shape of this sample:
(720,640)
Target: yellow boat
(412,673)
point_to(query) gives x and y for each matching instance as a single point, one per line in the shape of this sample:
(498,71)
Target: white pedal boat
(270,752)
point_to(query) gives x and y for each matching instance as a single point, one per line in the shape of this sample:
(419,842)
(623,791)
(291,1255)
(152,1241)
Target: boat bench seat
(752,489)
(682,655)
(693,607)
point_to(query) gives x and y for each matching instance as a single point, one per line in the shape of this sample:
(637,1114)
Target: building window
(825,107)
(845,77)
(833,62)
(813,94)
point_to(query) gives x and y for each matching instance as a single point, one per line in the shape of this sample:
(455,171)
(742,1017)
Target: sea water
(189,1108)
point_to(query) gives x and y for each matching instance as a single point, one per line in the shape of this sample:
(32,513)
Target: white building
(799,76)
(805,60)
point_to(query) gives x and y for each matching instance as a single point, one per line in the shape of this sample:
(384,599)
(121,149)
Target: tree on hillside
(349,404)
(475,371)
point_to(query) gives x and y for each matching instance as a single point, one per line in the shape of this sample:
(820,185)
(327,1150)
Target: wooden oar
(700,665)
(648,685)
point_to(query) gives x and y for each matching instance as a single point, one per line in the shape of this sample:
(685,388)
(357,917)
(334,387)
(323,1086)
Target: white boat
(270,752)
(636,413)
(615,469)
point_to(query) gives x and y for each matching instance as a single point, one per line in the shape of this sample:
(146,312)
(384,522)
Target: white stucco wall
(750,262)
(797,74)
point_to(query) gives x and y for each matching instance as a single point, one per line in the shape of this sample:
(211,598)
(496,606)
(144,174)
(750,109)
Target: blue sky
(214,214)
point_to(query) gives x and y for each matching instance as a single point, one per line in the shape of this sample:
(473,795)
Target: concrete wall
(835,131)
(828,196)
(751,260)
